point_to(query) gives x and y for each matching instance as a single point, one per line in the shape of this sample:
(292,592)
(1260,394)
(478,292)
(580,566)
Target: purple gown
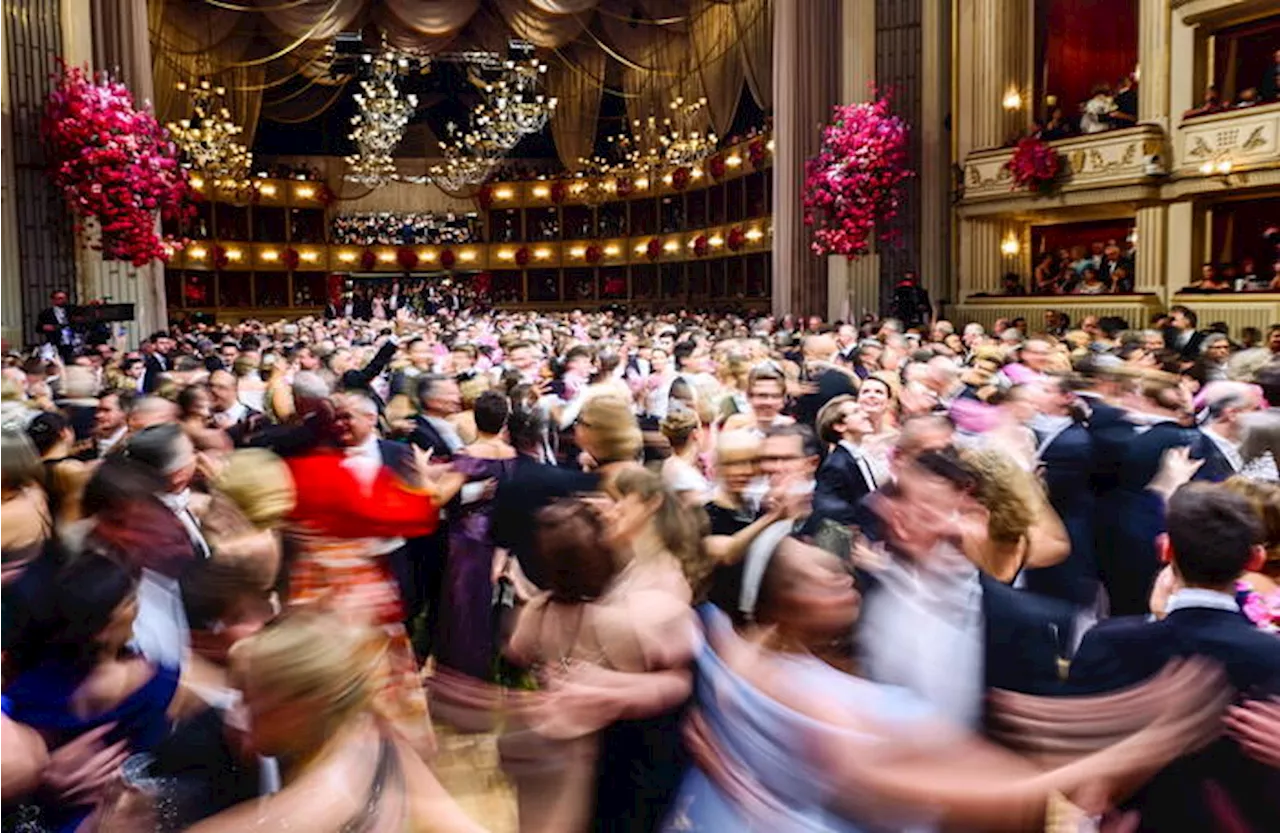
(466,629)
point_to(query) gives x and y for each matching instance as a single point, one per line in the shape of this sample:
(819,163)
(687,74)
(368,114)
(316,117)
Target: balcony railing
(1229,142)
(1099,160)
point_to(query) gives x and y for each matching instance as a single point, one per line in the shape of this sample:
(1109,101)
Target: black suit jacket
(531,486)
(426,437)
(151,379)
(840,487)
(1120,652)
(398,457)
(1025,637)
(830,384)
(48,318)
(1188,351)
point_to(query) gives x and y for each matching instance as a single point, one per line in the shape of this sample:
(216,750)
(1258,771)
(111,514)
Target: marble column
(983,263)
(11,307)
(1183,247)
(1152,256)
(113,35)
(1155,20)
(853,287)
(935,153)
(806,68)
(995,45)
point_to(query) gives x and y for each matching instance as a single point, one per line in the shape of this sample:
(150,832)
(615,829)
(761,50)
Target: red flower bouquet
(114,164)
(757,153)
(680,178)
(626,186)
(368,260)
(522,256)
(735,239)
(594,253)
(559,190)
(855,181)
(291,259)
(716,166)
(653,249)
(701,245)
(1035,165)
(407,258)
(448,258)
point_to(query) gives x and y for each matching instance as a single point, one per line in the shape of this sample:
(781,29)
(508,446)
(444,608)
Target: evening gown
(766,739)
(41,698)
(466,628)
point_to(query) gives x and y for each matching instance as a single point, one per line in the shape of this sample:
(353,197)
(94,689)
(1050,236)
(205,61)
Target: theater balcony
(1117,166)
(1228,151)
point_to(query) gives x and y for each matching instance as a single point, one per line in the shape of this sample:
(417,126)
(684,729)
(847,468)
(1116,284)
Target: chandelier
(208,139)
(469,159)
(381,118)
(515,105)
(681,139)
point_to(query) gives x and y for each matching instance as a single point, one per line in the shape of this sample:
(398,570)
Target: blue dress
(41,699)
(764,738)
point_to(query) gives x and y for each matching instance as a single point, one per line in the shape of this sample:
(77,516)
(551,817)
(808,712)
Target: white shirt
(1229,449)
(179,504)
(160,630)
(365,461)
(1200,597)
(107,443)
(923,629)
(868,476)
(446,431)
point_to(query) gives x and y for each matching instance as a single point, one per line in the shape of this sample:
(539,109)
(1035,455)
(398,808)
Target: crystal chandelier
(681,139)
(515,105)
(383,114)
(469,159)
(208,138)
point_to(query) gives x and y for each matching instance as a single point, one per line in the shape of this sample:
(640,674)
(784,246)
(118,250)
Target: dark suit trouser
(418,568)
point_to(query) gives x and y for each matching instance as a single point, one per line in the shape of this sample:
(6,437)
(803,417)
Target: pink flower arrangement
(1262,611)
(1035,165)
(114,164)
(855,181)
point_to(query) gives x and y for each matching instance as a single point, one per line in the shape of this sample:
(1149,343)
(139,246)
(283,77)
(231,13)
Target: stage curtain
(428,25)
(1085,43)
(713,35)
(754,22)
(318,20)
(542,28)
(577,82)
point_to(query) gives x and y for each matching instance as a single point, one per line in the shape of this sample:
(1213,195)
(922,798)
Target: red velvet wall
(1081,43)
(1066,235)
(1238,228)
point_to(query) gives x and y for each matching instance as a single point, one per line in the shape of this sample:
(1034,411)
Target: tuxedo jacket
(1068,465)
(531,486)
(840,487)
(155,366)
(47,317)
(1190,793)
(1188,351)
(426,437)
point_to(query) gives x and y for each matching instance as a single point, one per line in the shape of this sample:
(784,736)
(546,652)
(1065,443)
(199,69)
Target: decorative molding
(1235,183)
(1247,138)
(1136,309)
(1220,12)
(1023,203)
(1259,310)
(1117,157)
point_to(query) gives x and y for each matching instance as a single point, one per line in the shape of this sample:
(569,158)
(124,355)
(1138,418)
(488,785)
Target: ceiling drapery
(665,48)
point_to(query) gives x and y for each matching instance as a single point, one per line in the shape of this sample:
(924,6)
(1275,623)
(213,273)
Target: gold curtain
(578,88)
(542,28)
(754,24)
(713,35)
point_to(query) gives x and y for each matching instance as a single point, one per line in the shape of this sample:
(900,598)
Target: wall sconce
(428,255)
(542,254)
(1012,100)
(504,193)
(305,192)
(347,257)
(642,183)
(754,234)
(270,256)
(309,257)
(197,183)
(1009,246)
(769,145)
(467,256)
(267,190)
(612,250)
(541,191)
(641,248)
(197,253)
(506,254)
(387,257)
(733,160)
(234,254)
(716,241)
(578,251)
(1222,167)
(671,246)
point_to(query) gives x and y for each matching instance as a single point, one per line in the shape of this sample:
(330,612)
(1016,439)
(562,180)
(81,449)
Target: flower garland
(1035,165)
(115,166)
(855,181)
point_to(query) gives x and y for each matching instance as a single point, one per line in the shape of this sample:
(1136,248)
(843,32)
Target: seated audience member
(1012,285)
(1057,126)
(1212,104)
(1212,540)
(1096,112)
(1126,100)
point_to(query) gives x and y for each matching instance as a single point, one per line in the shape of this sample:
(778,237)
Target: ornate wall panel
(1241,139)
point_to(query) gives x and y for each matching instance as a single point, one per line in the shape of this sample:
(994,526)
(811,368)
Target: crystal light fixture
(515,105)
(681,139)
(208,139)
(383,114)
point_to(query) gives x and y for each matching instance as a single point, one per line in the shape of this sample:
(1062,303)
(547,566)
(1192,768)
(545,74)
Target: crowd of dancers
(695,573)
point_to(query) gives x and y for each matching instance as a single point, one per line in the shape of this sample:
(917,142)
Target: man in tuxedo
(826,381)
(109,424)
(438,399)
(54,324)
(910,302)
(156,351)
(1225,406)
(1212,539)
(535,482)
(1111,261)
(1181,334)
(845,477)
(931,621)
(231,415)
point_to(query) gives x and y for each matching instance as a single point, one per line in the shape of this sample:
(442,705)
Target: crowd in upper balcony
(1266,92)
(386,228)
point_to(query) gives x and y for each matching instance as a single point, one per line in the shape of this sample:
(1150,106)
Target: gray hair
(1212,340)
(310,385)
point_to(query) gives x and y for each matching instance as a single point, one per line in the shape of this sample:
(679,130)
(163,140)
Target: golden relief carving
(1255,139)
(1199,149)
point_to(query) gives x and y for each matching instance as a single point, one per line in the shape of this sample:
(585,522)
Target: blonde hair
(471,389)
(1264,498)
(314,659)
(1007,491)
(678,426)
(614,430)
(679,526)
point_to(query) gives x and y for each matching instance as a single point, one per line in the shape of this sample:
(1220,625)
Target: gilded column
(1151,261)
(853,288)
(806,51)
(11,310)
